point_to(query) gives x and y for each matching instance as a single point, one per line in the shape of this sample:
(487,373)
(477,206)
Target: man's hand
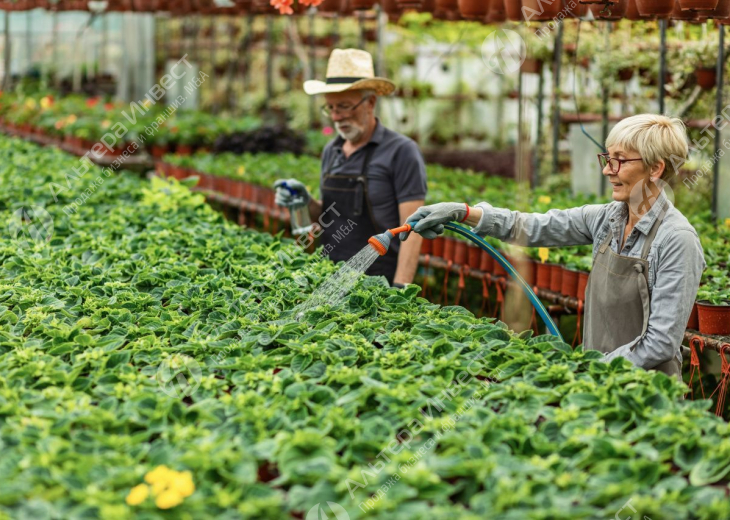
(285,198)
(431,219)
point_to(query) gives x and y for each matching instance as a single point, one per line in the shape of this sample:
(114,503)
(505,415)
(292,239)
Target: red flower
(92,102)
(313,3)
(284,6)
(108,106)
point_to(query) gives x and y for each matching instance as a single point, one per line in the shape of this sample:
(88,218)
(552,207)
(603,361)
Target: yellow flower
(46,102)
(30,103)
(138,494)
(727,222)
(543,253)
(168,499)
(106,123)
(161,474)
(182,482)
(71,119)
(544,199)
(241,170)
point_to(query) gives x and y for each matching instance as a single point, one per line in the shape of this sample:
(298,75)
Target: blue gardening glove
(430,220)
(285,197)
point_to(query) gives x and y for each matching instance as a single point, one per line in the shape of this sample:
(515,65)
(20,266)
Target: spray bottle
(301,223)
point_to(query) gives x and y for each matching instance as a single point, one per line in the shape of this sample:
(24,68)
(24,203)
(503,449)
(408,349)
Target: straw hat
(349,69)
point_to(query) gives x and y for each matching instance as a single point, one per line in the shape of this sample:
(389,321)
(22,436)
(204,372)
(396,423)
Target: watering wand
(381,244)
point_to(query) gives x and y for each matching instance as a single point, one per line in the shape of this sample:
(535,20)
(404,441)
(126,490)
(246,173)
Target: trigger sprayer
(301,222)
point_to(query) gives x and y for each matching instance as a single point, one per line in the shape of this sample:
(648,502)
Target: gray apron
(618,301)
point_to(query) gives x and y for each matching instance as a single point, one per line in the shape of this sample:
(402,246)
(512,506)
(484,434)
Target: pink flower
(284,6)
(327,130)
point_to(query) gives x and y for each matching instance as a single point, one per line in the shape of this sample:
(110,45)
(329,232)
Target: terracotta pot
(556,277)
(694,320)
(721,11)
(236,189)
(329,6)
(183,149)
(438,246)
(158,150)
(220,184)
(713,319)
(531,66)
(678,14)
(697,5)
(473,9)
(661,8)
(447,5)
(536,10)
(513,10)
(618,10)
(248,194)
(426,246)
(496,13)
(569,287)
(449,248)
(543,275)
(474,256)
(498,269)
(486,262)
(706,78)
(362,4)
(625,74)
(206,181)
(632,12)
(582,284)
(392,9)
(579,11)
(461,252)
(266,197)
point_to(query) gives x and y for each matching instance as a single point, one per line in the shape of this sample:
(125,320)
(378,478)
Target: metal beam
(718,111)
(662,61)
(557,55)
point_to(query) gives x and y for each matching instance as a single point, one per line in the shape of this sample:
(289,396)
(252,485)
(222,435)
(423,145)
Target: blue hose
(539,307)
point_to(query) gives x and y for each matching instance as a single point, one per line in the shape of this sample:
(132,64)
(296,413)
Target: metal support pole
(231,61)
(558,54)
(380,56)
(248,39)
(312,71)
(6,58)
(290,58)
(538,140)
(718,111)
(335,29)
(662,61)
(604,103)
(269,60)
(28,45)
(361,27)
(103,52)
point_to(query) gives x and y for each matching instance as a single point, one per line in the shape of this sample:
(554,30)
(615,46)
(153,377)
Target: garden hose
(381,243)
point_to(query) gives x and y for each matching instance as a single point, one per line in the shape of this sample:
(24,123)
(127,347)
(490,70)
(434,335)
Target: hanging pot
(460,252)
(438,247)
(531,66)
(447,5)
(697,5)
(721,11)
(473,9)
(660,8)
(513,10)
(392,9)
(632,12)
(543,272)
(706,77)
(713,319)
(579,11)
(362,5)
(449,248)
(496,13)
(612,11)
(426,246)
(678,14)
(486,262)
(540,10)
(694,320)
(474,256)
(625,74)
(329,6)
(569,287)
(346,7)
(556,277)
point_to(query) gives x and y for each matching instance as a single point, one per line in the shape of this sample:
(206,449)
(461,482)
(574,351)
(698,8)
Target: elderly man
(371,177)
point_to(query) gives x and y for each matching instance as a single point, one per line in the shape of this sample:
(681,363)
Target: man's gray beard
(352,135)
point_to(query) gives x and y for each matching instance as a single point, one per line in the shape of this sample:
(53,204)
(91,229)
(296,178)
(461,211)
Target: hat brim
(381,86)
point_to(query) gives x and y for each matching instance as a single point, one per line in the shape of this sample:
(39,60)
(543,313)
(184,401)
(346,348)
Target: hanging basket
(531,66)
(362,5)
(447,5)
(661,8)
(473,9)
(579,11)
(612,11)
(392,9)
(678,14)
(697,5)
(540,10)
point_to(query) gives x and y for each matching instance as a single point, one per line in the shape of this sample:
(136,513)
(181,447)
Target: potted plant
(703,56)
(659,8)
(473,9)
(696,5)
(713,306)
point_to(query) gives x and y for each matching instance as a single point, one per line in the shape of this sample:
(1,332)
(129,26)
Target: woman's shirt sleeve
(557,227)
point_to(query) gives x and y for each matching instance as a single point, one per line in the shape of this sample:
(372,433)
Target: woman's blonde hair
(654,137)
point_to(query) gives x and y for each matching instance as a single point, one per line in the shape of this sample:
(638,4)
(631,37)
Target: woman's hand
(430,220)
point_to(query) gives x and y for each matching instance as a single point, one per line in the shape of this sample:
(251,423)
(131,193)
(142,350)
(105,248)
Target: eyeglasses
(615,164)
(328,110)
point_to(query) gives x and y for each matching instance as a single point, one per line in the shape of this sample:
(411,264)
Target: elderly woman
(647,258)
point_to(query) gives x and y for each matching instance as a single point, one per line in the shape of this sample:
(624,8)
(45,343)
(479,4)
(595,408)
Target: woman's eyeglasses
(615,164)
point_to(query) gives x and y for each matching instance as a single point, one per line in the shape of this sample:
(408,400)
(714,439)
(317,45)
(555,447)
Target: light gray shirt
(676,261)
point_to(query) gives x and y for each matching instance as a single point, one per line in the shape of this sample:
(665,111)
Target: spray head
(381,242)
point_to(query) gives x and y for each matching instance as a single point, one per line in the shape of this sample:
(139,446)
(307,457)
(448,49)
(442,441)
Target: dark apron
(349,194)
(618,300)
